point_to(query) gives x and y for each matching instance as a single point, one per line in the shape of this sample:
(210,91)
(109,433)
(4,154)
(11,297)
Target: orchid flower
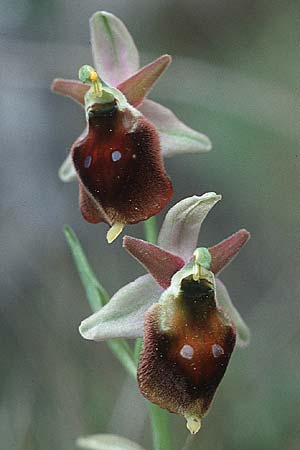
(181,309)
(118,158)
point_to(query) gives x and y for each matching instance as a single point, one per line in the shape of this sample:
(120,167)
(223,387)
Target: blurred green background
(235,76)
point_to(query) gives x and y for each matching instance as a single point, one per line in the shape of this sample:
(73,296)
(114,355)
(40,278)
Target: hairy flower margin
(118,158)
(181,309)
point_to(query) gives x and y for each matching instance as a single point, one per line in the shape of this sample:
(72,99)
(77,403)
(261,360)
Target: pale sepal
(225,251)
(115,54)
(138,86)
(71,88)
(67,172)
(123,316)
(175,137)
(106,442)
(179,232)
(224,301)
(160,264)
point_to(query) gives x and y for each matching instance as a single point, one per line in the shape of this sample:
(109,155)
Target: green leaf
(106,442)
(97,297)
(96,294)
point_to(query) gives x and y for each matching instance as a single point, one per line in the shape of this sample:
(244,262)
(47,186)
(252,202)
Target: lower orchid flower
(181,309)
(118,158)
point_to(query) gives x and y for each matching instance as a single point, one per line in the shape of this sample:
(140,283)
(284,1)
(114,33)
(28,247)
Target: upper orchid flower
(118,158)
(182,310)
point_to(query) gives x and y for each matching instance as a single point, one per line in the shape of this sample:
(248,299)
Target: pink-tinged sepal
(71,88)
(188,342)
(162,265)
(176,137)
(115,54)
(138,86)
(224,252)
(118,161)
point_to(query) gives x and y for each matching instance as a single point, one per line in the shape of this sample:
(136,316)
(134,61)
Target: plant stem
(137,349)
(159,417)
(160,428)
(150,230)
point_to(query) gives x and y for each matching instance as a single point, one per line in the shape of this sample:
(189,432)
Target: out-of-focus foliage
(235,76)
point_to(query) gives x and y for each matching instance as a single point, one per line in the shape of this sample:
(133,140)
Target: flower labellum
(117,160)
(188,341)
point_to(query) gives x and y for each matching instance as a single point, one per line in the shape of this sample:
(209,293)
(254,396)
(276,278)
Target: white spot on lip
(187,351)
(217,350)
(116,155)
(88,162)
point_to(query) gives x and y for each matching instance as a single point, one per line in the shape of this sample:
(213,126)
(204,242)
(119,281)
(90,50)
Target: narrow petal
(115,54)
(224,252)
(67,170)
(123,316)
(105,442)
(71,88)
(179,232)
(138,86)
(160,264)
(175,137)
(224,301)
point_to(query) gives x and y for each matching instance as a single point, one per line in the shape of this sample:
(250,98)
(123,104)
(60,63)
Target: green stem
(160,428)
(159,417)
(150,230)
(137,349)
